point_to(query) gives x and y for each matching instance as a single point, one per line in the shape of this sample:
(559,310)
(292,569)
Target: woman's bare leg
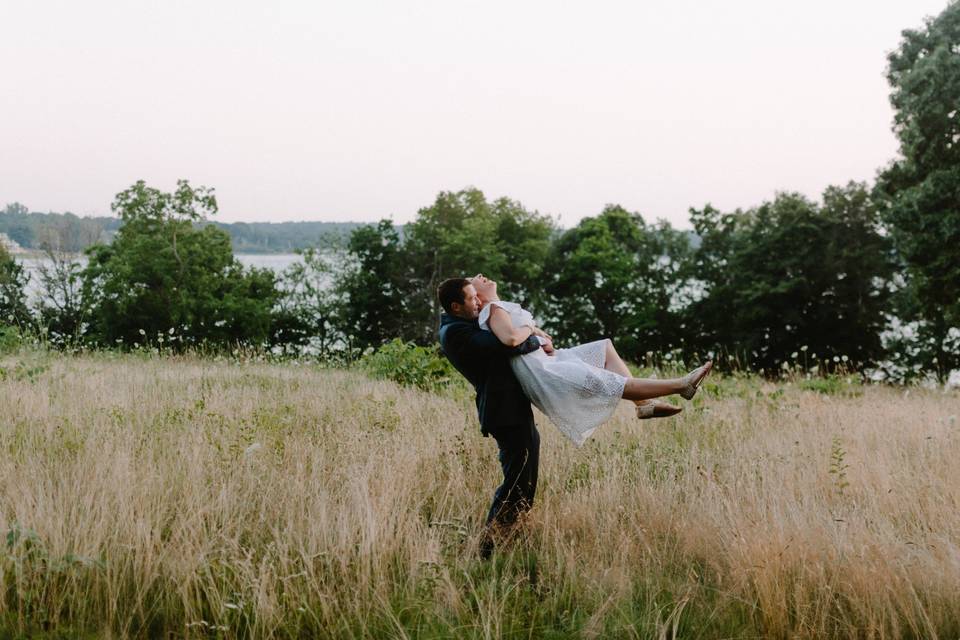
(639,392)
(615,363)
(643,388)
(638,389)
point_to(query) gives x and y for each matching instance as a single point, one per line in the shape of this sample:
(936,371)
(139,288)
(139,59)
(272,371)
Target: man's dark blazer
(485,362)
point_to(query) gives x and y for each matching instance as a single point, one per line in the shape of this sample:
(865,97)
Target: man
(503,409)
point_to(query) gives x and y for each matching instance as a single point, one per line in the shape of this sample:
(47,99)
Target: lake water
(273,261)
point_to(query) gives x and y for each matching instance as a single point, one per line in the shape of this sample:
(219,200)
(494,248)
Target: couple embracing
(510,362)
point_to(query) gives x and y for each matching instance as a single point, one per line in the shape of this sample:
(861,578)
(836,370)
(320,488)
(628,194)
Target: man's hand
(547,347)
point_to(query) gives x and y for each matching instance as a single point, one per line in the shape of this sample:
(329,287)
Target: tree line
(36,231)
(867,277)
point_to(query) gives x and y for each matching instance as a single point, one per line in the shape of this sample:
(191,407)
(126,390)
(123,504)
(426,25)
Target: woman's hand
(547,347)
(545,340)
(537,331)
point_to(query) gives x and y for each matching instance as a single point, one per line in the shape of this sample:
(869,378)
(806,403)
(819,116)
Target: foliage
(833,385)
(163,278)
(792,276)
(839,466)
(789,277)
(921,189)
(62,311)
(523,239)
(9,338)
(304,316)
(912,346)
(615,276)
(375,289)
(462,234)
(13,282)
(757,287)
(413,366)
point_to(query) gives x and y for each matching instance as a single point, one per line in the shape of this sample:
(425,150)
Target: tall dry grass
(184,497)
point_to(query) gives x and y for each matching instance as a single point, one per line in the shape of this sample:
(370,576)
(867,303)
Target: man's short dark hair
(450,291)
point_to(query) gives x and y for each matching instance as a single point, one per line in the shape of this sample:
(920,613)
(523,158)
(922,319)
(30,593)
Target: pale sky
(361,109)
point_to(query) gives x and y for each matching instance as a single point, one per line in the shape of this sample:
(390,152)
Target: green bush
(412,366)
(9,338)
(847,386)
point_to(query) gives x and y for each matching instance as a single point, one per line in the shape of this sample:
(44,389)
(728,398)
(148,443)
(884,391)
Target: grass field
(186,497)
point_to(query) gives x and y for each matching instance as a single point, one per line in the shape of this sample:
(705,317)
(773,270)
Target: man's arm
(475,343)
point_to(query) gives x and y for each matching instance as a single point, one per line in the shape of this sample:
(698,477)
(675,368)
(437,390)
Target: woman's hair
(450,291)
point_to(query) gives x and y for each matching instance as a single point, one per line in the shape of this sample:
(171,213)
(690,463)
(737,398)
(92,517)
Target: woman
(577,388)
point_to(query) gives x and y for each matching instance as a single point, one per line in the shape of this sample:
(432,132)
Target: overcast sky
(359,110)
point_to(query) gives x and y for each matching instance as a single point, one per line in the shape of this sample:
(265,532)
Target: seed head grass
(146,496)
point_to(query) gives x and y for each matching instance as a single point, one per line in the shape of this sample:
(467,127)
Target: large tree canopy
(462,234)
(921,189)
(615,276)
(791,277)
(375,289)
(166,275)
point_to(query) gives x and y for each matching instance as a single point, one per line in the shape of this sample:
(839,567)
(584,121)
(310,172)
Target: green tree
(523,239)
(455,236)
(13,297)
(462,234)
(921,189)
(377,290)
(168,278)
(61,310)
(617,277)
(793,277)
(305,315)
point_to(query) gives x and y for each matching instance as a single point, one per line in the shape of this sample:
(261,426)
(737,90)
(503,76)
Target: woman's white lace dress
(570,387)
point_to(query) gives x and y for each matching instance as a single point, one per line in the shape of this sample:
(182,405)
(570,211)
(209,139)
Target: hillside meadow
(187,497)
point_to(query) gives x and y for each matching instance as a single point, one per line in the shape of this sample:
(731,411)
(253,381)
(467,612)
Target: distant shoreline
(32,254)
(35,254)
(23,230)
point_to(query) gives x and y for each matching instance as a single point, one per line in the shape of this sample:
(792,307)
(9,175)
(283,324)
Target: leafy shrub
(9,338)
(833,385)
(33,574)
(412,366)
(13,296)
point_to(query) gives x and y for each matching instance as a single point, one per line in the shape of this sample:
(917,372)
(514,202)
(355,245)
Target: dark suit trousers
(520,459)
